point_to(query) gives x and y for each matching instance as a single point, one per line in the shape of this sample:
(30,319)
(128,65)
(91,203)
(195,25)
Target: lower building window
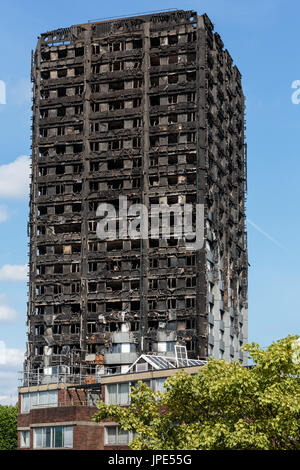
(25,439)
(115,436)
(118,394)
(53,437)
(38,400)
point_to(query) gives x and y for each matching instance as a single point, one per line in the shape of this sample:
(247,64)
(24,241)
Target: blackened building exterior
(150,108)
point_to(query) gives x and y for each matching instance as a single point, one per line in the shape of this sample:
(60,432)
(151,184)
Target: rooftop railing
(33,378)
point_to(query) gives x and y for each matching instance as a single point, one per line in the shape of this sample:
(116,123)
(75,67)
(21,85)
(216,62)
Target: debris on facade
(151,108)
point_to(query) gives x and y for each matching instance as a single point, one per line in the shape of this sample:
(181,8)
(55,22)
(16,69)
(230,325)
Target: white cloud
(14,357)
(7,314)
(13,272)
(8,400)
(10,356)
(8,374)
(3,213)
(11,361)
(14,178)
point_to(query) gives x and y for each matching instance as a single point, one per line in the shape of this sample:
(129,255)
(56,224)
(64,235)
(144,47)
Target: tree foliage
(224,406)
(8,427)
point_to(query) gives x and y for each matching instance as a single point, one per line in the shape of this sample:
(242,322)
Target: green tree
(8,427)
(224,406)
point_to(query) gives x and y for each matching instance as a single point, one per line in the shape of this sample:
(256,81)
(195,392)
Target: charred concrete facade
(151,108)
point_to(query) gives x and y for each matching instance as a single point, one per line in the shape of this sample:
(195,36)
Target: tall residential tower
(150,108)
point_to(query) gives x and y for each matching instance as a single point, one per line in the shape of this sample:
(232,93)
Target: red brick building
(52,416)
(59,415)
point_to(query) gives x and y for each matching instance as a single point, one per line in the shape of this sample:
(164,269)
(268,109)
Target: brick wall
(86,434)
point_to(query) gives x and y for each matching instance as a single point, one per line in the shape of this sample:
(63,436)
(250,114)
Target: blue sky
(263,39)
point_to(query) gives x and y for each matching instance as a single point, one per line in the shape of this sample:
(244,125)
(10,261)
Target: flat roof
(144,375)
